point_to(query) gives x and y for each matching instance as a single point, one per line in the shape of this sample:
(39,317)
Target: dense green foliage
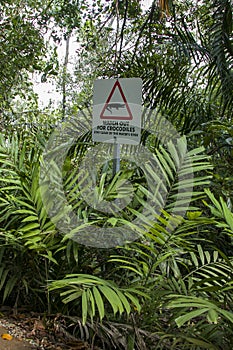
(172,287)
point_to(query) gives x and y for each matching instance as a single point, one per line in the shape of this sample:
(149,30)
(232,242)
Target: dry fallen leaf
(38,325)
(6,336)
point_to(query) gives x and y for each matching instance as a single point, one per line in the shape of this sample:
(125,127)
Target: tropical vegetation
(172,286)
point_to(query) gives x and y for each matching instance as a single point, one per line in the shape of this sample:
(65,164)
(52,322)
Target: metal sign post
(116,158)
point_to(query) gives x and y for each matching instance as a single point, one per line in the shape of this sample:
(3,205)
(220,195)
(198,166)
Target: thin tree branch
(116,38)
(64,75)
(149,17)
(123,28)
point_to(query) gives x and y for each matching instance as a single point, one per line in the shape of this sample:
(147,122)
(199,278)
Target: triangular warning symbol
(112,110)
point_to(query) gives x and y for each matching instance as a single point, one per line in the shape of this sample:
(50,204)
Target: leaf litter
(37,332)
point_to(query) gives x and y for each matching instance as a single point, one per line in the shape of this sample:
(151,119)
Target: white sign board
(117,111)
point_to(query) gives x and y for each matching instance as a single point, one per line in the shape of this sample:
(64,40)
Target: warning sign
(113,107)
(117,111)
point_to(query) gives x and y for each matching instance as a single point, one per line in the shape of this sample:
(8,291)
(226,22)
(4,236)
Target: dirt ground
(31,332)
(14,344)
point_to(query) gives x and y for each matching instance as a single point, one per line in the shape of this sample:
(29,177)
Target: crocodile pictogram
(110,106)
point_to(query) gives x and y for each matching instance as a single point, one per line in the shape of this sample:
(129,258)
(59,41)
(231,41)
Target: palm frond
(94,292)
